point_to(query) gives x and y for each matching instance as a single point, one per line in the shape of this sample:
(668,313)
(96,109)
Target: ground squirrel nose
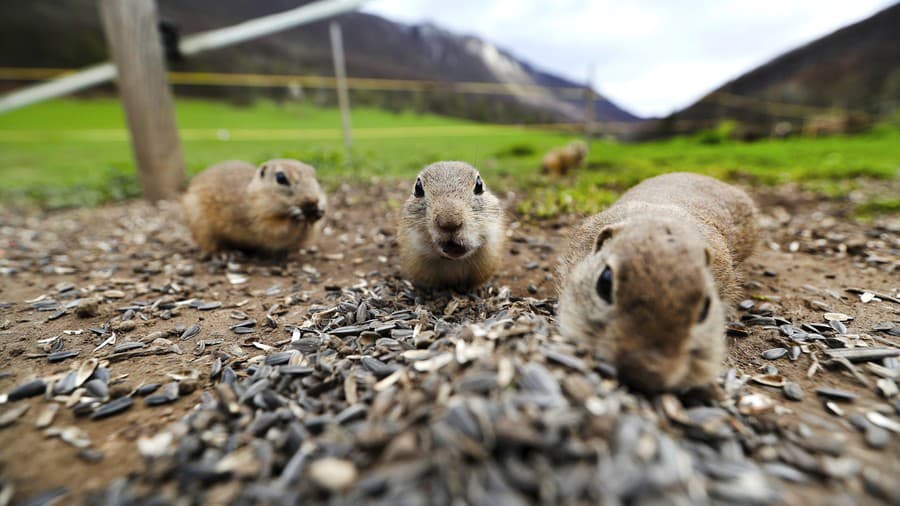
(448,224)
(634,372)
(311,209)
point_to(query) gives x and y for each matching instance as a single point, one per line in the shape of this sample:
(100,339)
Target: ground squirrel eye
(419,190)
(479,186)
(604,285)
(704,311)
(280,178)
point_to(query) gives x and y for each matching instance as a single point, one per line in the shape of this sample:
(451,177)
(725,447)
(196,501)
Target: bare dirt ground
(812,257)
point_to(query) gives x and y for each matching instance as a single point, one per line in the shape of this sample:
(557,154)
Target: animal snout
(448,223)
(311,209)
(641,371)
(308,209)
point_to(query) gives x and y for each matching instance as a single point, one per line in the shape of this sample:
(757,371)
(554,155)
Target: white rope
(213,39)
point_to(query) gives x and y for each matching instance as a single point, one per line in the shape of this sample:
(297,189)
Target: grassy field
(65,153)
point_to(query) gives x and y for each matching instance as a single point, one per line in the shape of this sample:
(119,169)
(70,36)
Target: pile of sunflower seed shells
(371,402)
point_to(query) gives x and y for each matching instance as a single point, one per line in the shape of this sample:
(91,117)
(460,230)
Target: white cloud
(649,56)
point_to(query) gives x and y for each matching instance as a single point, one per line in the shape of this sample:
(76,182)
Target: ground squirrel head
(451,212)
(645,298)
(580,148)
(283,187)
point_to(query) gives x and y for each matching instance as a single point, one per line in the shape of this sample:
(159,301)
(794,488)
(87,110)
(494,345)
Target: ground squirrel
(559,161)
(451,233)
(272,209)
(647,281)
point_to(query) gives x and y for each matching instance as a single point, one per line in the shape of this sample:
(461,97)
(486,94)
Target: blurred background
(763,91)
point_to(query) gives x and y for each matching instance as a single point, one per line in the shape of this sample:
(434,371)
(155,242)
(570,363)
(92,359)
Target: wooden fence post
(134,44)
(340,72)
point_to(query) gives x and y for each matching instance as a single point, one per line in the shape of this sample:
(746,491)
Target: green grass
(76,152)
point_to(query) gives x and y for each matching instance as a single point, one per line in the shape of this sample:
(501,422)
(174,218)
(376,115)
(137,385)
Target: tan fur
(477,223)
(235,205)
(559,161)
(671,242)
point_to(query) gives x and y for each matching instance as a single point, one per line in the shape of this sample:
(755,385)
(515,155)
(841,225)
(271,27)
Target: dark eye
(280,178)
(604,285)
(479,186)
(704,311)
(419,190)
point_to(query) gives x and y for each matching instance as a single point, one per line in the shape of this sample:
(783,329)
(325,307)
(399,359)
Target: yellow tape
(364,83)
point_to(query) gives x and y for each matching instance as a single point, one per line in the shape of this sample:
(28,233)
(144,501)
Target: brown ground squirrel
(559,161)
(271,209)
(646,280)
(451,232)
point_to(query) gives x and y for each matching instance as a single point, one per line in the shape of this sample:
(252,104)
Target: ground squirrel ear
(604,234)
(708,256)
(262,171)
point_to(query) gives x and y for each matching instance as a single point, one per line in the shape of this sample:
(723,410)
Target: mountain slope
(856,67)
(68,34)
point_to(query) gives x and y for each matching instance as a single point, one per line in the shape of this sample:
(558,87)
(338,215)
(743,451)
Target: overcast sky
(649,56)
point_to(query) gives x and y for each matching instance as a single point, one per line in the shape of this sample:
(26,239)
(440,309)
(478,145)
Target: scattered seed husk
(12,414)
(887,387)
(793,391)
(190,332)
(838,326)
(112,408)
(86,370)
(333,474)
(235,278)
(244,324)
(785,472)
(156,446)
(29,389)
(833,408)
(97,388)
(737,330)
(66,385)
(836,394)
(108,341)
(91,456)
(71,435)
(168,395)
(59,356)
(755,404)
(883,421)
(216,369)
(46,416)
(863,354)
(566,360)
(839,317)
(774,353)
(124,347)
(877,437)
(771,380)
